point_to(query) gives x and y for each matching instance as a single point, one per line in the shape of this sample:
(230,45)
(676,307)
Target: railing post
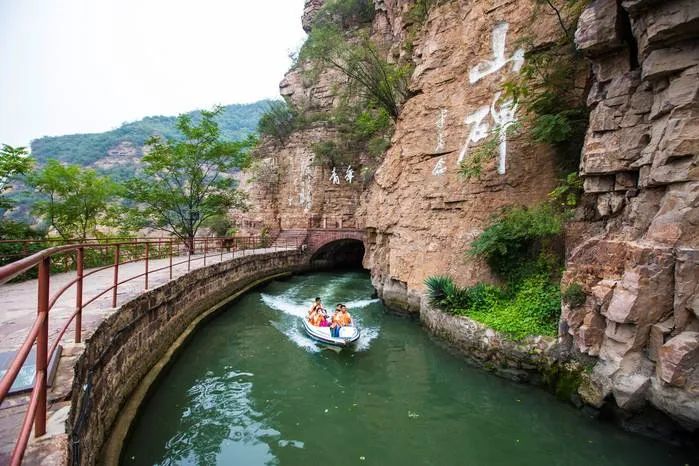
(147,254)
(206,248)
(42,350)
(221,246)
(190,251)
(79,295)
(116,275)
(170,259)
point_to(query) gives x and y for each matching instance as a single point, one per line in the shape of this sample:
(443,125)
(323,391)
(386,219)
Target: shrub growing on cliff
(574,295)
(517,236)
(361,131)
(345,13)
(278,121)
(370,77)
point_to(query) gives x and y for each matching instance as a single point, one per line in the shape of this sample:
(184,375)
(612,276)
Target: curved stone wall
(132,340)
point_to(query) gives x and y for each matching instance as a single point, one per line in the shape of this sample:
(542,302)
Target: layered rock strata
(638,255)
(635,251)
(421,214)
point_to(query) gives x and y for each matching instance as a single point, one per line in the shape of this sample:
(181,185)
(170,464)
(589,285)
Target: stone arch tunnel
(336,248)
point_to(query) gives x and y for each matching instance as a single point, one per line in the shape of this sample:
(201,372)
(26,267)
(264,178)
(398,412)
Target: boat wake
(290,304)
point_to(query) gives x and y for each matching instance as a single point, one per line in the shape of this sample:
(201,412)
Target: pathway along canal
(250,389)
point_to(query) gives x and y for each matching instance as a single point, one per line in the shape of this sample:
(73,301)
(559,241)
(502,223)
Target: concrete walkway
(18,300)
(18,311)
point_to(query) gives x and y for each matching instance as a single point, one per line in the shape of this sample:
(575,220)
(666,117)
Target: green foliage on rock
(371,78)
(574,295)
(528,307)
(345,13)
(279,121)
(516,237)
(187,181)
(360,131)
(438,288)
(550,88)
(74,200)
(568,192)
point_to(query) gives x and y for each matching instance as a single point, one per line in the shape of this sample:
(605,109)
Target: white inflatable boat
(348,335)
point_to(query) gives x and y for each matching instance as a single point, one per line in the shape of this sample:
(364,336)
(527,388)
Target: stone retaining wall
(529,360)
(128,343)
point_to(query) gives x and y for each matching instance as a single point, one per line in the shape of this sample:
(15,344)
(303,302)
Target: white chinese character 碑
(440,168)
(504,117)
(334,179)
(499,60)
(349,174)
(479,129)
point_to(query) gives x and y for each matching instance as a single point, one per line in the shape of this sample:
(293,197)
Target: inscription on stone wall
(493,119)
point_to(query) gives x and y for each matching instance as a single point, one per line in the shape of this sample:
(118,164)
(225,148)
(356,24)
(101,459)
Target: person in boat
(317,304)
(315,308)
(322,319)
(345,319)
(334,323)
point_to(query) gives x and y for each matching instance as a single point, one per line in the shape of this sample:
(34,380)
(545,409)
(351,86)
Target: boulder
(671,21)
(658,334)
(678,359)
(681,404)
(645,293)
(591,334)
(598,184)
(666,61)
(686,303)
(598,28)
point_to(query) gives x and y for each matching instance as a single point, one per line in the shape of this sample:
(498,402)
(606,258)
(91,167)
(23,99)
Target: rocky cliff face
(421,214)
(303,194)
(636,253)
(638,257)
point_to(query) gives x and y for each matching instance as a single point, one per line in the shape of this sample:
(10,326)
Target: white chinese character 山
(504,117)
(479,129)
(440,168)
(499,60)
(334,178)
(349,174)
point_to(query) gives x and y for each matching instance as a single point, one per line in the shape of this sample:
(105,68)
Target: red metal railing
(198,249)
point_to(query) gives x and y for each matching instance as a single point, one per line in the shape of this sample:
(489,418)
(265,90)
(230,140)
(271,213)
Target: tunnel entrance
(342,253)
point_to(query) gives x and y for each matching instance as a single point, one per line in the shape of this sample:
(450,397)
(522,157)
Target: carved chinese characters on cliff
(348,176)
(305,185)
(334,178)
(496,118)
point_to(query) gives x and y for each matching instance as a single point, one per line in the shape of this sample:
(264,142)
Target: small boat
(348,335)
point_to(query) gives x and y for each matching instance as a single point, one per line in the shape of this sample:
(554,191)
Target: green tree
(186,181)
(14,162)
(75,201)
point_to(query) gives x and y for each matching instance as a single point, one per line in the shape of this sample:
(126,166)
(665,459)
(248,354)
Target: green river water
(251,389)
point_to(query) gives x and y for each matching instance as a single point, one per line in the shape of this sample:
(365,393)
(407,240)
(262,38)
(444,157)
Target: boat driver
(341,318)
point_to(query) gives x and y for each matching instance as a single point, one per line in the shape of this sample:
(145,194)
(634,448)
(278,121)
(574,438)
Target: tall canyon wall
(637,256)
(636,253)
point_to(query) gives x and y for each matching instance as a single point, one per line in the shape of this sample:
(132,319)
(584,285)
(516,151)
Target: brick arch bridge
(315,238)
